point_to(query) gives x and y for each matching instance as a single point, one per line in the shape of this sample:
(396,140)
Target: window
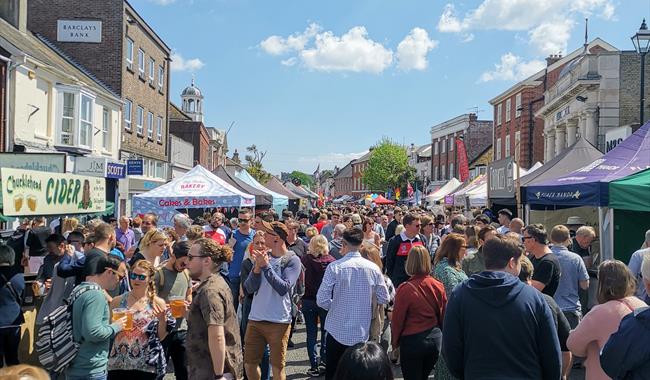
(451,144)
(159,128)
(129,53)
(443,175)
(67,119)
(141,62)
(518,105)
(152,172)
(444,146)
(161,77)
(106,128)
(435,147)
(150,125)
(128,105)
(140,120)
(498,153)
(86,121)
(507,147)
(499,114)
(517,144)
(508,106)
(452,173)
(160,170)
(152,70)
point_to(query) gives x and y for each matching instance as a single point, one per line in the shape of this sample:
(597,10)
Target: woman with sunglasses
(369,234)
(427,227)
(138,353)
(448,270)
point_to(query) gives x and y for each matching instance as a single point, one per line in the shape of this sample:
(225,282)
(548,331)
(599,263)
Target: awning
(447,188)
(280,202)
(262,199)
(631,193)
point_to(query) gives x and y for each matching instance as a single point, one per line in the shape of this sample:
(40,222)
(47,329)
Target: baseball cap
(276,228)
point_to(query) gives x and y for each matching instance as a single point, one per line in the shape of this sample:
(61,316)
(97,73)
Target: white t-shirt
(268,305)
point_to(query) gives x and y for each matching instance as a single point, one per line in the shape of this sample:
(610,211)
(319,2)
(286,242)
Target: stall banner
(29,192)
(463,166)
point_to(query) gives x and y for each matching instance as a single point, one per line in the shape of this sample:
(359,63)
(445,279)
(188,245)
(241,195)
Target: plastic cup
(122,312)
(177,305)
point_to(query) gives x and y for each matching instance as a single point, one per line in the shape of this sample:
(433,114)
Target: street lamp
(641,41)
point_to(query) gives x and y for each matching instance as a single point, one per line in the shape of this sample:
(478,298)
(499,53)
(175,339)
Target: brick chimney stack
(551,59)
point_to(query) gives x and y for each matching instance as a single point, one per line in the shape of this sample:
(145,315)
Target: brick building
(358,167)
(477,135)
(133,61)
(194,132)
(343,183)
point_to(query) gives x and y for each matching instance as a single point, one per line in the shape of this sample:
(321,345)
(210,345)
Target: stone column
(582,125)
(560,141)
(592,128)
(571,127)
(550,145)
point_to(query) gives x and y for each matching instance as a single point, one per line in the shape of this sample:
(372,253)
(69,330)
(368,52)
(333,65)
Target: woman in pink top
(616,287)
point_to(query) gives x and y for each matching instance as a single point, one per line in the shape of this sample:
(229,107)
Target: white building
(180,156)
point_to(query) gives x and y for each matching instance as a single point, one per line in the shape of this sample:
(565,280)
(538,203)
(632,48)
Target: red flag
(463,168)
(409,190)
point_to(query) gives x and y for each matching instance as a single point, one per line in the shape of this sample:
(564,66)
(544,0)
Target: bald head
(516,225)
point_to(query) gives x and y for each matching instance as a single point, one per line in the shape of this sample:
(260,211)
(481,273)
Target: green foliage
(388,167)
(254,164)
(304,178)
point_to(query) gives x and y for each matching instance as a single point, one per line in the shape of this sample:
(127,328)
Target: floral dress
(139,349)
(450,277)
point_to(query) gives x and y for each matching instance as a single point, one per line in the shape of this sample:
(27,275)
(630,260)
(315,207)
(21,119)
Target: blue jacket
(626,354)
(498,328)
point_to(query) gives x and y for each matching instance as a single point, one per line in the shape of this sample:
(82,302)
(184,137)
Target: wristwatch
(218,377)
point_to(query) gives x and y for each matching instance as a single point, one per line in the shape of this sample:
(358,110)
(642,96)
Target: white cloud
(448,22)
(277,45)
(353,51)
(289,61)
(338,159)
(551,37)
(512,68)
(181,64)
(412,51)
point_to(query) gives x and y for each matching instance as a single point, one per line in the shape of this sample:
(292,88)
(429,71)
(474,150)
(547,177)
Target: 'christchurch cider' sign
(79,31)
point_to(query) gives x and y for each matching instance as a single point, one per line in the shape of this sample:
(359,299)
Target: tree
(388,167)
(305,179)
(254,164)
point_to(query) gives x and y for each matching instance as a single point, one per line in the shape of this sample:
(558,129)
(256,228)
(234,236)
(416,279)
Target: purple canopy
(589,184)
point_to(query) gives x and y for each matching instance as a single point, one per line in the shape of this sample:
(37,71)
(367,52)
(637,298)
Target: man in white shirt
(505,216)
(346,292)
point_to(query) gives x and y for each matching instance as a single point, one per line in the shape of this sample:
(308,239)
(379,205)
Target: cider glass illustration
(18,202)
(31,202)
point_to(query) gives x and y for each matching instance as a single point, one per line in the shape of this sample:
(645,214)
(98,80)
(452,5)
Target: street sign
(134,167)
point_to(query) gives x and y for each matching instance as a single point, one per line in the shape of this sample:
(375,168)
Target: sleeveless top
(130,348)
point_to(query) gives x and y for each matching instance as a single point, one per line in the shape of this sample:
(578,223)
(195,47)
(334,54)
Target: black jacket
(626,354)
(496,327)
(390,230)
(396,255)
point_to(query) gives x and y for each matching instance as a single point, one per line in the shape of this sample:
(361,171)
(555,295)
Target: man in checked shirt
(347,290)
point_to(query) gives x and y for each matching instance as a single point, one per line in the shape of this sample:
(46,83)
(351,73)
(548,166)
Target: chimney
(551,59)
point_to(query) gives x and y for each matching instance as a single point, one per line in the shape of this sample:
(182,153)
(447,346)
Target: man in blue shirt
(239,240)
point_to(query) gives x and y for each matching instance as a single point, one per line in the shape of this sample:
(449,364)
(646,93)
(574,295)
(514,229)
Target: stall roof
(304,193)
(280,201)
(447,188)
(589,185)
(261,198)
(274,184)
(631,192)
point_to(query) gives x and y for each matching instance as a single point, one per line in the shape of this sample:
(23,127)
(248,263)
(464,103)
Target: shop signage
(44,162)
(98,167)
(194,185)
(28,192)
(616,136)
(79,31)
(134,167)
(501,182)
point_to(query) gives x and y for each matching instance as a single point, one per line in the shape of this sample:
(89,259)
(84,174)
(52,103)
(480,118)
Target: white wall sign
(79,31)
(616,136)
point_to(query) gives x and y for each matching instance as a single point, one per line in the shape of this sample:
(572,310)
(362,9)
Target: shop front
(102,167)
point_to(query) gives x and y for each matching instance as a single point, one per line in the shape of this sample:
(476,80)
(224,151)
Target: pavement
(298,362)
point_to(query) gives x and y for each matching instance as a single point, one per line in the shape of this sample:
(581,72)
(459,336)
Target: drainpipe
(11,66)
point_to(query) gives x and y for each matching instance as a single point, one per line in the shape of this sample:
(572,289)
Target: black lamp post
(641,41)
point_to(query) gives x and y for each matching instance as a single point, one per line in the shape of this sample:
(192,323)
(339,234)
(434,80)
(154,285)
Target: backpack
(19,298)
(298,290)
(161,276)
(55,343)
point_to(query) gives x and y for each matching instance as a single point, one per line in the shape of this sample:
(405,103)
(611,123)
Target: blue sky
(319,82)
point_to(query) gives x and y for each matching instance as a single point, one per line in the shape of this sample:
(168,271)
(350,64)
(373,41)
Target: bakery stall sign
(79,31)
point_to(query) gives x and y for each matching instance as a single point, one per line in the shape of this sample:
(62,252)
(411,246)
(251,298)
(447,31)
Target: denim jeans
(174,345)
(265,364)
(97,376)
(311,312)
(234,289)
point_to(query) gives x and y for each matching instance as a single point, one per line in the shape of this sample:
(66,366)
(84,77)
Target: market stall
(589,185)
(274,184)
(279,201)
(262,200)
(196,189)
(460,196)
(630,199)
(445,189)
(381,200)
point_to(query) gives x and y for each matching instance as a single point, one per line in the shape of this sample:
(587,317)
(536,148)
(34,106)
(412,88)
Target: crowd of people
(458,296)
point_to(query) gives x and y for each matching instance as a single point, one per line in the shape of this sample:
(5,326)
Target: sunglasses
(190,257)
(119,275)
(140,277)
(243,220)
(430,224)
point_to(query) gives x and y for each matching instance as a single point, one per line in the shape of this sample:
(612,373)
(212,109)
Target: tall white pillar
(550,145)
(592,128)
(560,141)
(571,132)
(582,125)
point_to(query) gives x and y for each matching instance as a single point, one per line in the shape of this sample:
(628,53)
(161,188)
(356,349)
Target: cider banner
(29,192)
